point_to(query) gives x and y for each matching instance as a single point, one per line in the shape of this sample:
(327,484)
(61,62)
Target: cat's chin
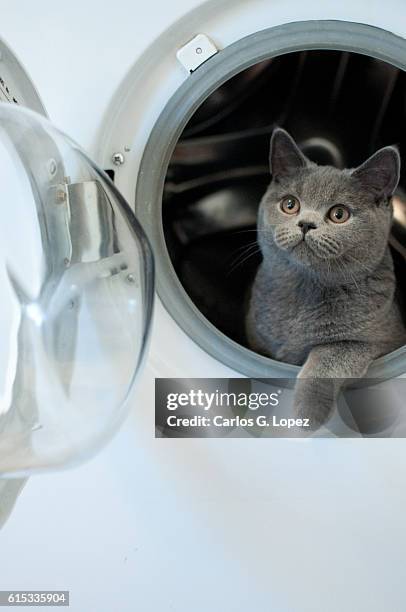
(303,254)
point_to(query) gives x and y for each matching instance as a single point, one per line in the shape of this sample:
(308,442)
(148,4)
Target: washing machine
(176,102)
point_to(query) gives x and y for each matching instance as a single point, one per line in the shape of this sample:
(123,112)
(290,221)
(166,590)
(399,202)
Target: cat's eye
(339,214)
(290,205)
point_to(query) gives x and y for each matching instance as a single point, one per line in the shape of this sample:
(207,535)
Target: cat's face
(333,222)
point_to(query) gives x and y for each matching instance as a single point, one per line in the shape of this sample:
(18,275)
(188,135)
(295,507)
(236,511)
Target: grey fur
(326,298)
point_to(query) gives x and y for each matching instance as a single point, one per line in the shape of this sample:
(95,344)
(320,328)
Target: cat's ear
(380,172)
(285,157)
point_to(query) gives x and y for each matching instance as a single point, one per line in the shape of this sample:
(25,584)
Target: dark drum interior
(340,107)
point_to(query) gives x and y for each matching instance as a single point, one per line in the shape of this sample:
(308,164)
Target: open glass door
(76,286)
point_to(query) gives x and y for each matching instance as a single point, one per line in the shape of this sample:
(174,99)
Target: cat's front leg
(325,371)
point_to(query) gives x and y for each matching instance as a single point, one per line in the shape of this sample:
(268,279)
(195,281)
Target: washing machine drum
(218,171)
(76,282)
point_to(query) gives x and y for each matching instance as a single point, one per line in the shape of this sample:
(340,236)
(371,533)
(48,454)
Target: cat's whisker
(241,262)
(357,261)
(257,230)
(240,257)
(245,246)
(348,276)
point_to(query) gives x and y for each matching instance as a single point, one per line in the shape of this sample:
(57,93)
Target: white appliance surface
(195,525)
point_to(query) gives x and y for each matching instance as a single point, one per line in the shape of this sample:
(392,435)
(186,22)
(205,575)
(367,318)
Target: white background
(199,525)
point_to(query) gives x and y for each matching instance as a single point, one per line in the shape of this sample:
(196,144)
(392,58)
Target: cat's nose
(305,226)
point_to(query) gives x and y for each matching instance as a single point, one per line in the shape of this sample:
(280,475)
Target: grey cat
(324,295)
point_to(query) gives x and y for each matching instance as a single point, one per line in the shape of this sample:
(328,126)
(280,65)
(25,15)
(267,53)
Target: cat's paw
(314,402)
